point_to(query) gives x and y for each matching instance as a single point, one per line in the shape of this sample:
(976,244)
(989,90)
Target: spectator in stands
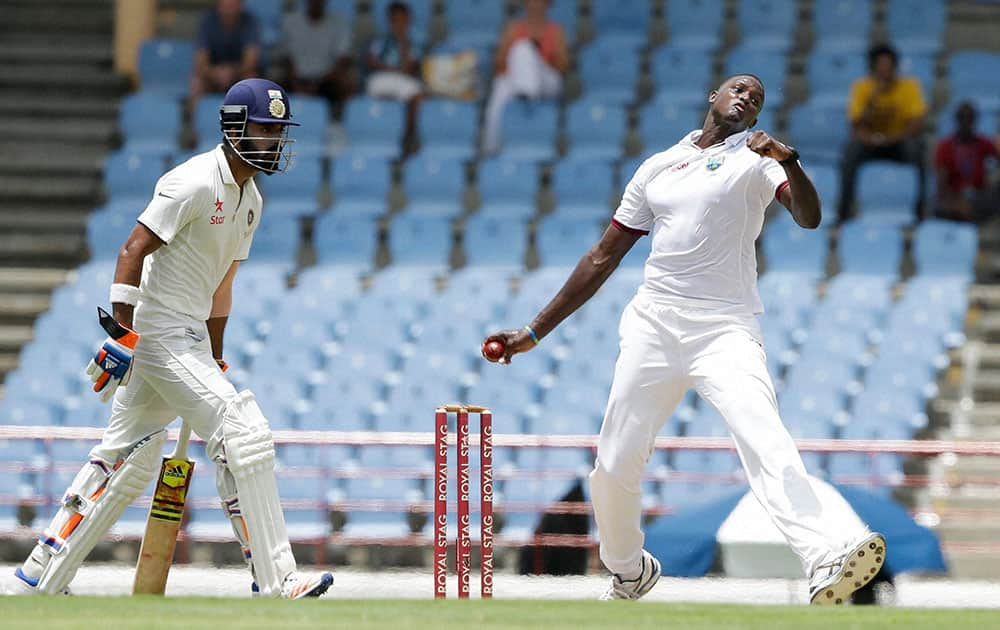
(316,44)
(228,49)
(530,60)
(394,62)
(963,189)
(887,118)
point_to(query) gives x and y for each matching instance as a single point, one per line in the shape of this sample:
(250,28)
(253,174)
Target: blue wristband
(531,333)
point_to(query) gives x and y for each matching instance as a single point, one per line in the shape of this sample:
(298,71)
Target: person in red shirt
(530,60)
(961,160)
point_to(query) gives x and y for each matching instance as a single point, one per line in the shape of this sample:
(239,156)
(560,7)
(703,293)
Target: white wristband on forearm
(124,294)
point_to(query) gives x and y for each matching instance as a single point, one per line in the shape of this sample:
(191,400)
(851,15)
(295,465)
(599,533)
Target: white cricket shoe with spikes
(636,588)
(835,581)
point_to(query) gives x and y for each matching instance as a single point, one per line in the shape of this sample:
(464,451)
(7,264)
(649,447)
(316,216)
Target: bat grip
(180,450)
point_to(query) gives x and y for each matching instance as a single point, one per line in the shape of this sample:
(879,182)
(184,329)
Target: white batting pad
(99,495)
(249,453)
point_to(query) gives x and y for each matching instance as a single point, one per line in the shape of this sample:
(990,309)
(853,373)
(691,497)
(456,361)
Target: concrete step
(22,308)
(8,361)
(48,106)
(84,190)
(34,162)
(31,279)
(13,336)
(986,385)
(57,80)
(59,16)
(86,131)
(42,250)
(92,53)
(52,220)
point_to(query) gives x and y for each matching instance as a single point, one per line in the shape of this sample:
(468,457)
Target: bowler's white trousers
(665,351)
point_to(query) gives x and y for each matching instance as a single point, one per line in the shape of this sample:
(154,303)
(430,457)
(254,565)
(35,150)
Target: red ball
(493,350)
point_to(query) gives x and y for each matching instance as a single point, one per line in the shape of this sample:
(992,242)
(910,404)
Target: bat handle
(180,451)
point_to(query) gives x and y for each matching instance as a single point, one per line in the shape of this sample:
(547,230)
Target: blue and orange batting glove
(112,365)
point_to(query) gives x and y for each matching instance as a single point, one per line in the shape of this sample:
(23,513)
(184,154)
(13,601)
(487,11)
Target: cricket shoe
(24,585)
(299,585)
(634,589)
(835,581)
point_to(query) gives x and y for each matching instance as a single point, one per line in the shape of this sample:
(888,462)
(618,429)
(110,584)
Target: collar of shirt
(728,143)
(224,170)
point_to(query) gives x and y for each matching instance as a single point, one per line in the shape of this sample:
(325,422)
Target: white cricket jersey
(705,208)
(206,222)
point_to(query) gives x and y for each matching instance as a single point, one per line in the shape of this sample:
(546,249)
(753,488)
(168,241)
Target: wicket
(463,546)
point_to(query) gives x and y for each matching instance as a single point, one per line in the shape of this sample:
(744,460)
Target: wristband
(794,157)
(124,294)
(531,333)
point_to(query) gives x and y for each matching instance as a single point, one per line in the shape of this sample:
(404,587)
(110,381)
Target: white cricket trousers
(174,374)
(665,351)
(527,75)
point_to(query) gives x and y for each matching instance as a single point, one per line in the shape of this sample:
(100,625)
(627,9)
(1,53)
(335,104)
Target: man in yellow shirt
(887,119)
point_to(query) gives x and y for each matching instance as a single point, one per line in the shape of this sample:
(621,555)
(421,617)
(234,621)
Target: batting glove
(112,365)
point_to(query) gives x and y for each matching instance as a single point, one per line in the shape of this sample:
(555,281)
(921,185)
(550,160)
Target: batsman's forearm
(806,208)
(127,271)
(216,331)
(590,273)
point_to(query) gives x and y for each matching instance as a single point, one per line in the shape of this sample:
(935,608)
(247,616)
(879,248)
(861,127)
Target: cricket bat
(164,522)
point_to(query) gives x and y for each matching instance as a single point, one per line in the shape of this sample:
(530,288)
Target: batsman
(171,297)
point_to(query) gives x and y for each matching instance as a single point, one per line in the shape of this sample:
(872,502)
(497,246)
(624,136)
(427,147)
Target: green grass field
(118,613)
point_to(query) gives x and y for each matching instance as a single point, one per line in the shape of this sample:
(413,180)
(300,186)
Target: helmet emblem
(277,108)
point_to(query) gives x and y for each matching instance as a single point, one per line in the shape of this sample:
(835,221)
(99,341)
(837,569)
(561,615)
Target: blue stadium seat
(107,231)
(206,121)
(623,21)
(921,66)
(374,127)
(826,179)
(529,130)
(917,27)
(767,24)
(866,247)
(887,190)
(903,376)
(346,241)
(523,502)
(842,24)
(663,124)
(434,186)
(268,14)
(819,131)
(474,21)
(582,188)
(448,129)
(389,500)
(276,242)
(165,66)
(495,241)
(987,124)
(360,183)
(132,175)
(508,188)
(313,114)
(972,75)
(831,74)
(565,13)
(945,247)
(770,66)
(695,24)
(595,130)
(861,292)
(300,184)
(681,75)
(789,247)
(150,122)
(609,72)
(843,346)
(562,240)
(420,240)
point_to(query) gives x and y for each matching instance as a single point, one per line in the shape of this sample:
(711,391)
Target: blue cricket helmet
(260,101)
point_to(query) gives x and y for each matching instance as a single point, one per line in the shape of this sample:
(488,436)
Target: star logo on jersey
(715,162)
(218,205)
